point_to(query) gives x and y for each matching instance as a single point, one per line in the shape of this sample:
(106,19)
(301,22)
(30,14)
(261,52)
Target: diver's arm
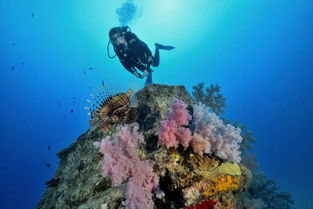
(135,72)
(138,75)
(131,69)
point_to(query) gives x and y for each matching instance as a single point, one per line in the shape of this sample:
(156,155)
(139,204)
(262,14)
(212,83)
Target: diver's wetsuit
(136,54)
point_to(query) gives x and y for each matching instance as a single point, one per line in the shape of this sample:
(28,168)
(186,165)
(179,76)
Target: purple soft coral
(121,162)
(223,138)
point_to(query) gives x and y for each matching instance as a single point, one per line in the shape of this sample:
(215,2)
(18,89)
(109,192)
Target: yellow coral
(222,184)
(230,169)
(175,157)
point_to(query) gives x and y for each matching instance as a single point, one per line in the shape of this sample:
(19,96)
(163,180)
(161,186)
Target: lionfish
(109,108)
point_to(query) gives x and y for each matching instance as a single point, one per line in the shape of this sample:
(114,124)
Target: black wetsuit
(137,54)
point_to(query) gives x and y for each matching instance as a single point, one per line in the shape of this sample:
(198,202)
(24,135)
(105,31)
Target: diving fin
(160,46)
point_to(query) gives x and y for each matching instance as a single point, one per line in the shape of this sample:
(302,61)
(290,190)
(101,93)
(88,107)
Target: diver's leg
(156,57)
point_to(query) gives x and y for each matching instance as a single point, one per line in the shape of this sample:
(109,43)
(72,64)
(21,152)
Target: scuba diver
(133,53)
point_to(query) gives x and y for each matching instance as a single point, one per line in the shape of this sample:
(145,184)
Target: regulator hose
(108,50)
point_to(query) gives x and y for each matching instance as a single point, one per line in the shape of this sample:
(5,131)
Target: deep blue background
(260,52)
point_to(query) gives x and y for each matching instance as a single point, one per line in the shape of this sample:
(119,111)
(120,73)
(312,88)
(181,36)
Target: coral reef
(138,167)
(196,177)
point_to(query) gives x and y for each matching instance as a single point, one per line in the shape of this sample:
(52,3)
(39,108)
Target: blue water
(53,54)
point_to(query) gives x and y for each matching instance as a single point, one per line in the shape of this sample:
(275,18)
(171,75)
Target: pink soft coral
(121,162)
(171,132)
